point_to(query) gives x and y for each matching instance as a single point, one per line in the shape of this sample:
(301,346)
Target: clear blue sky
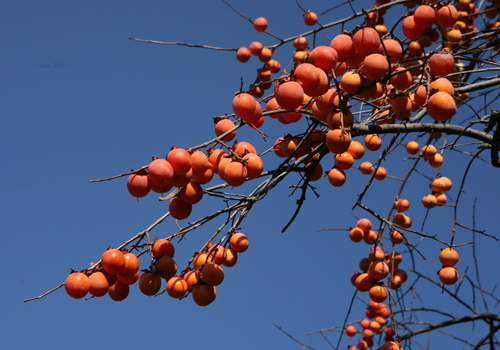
(81,101)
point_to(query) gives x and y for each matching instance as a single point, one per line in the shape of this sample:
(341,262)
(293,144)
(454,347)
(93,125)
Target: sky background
(81,101)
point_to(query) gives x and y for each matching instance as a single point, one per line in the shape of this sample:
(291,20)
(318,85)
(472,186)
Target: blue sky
(81,101)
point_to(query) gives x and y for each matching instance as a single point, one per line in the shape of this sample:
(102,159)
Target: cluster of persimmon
(379,265)
(119,269)
(188,171)
(369,64)
(448,274)
(375,322)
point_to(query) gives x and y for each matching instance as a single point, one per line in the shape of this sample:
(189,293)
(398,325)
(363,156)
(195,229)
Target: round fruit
(338,141)
(77,285)
(243,54)
(289,94)
(149,283)
(179,209)
(310,18)
(441,106)
(160,172)
(98,284)
(162,247)
(204,294)
(260,24)
(177,287)
(118,291)
(138,185)
(448,257)
(336,177)
(448,275)
(239,242)
(366,41)
(112,261)
(212,274)
(165,267)
(223,126)
(132,265)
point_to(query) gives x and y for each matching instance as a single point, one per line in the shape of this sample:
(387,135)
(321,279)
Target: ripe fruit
(428,151)
(350,331)
(138,185)
(179,209)
(429,201)
(160,172)
(165,267)
(336,177)
(412,147)
(300,43)
(441,106)
(396,237)
(373,142)
(212,274)
(424,16)
(204,294)
(180,160)
(441,64)
(356,149)
(255,48)
(356,234)
(351,82)
(162,247)
(289,94)
(375,66)
(393,48)
(410,29)
(118,291)
(77,285)
(223,126)
(324,57)
(310,18)
(192,193)
(401,81)
(366,41)
(342,43)
(378,270)
(235,173)
(448,257)
(364,282)
(239,242)
(244,147)
(98,284)
(149,283)
(254,165)
(177,287)
(447,16)
(441,184)
(366,168)
(231,258)
(243,54)
(344,160)
(191,278)
(132,265)
(260,24)
(244,105)
(112,261)
(402,204)
(378,293)
(338,141)
(448,275)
